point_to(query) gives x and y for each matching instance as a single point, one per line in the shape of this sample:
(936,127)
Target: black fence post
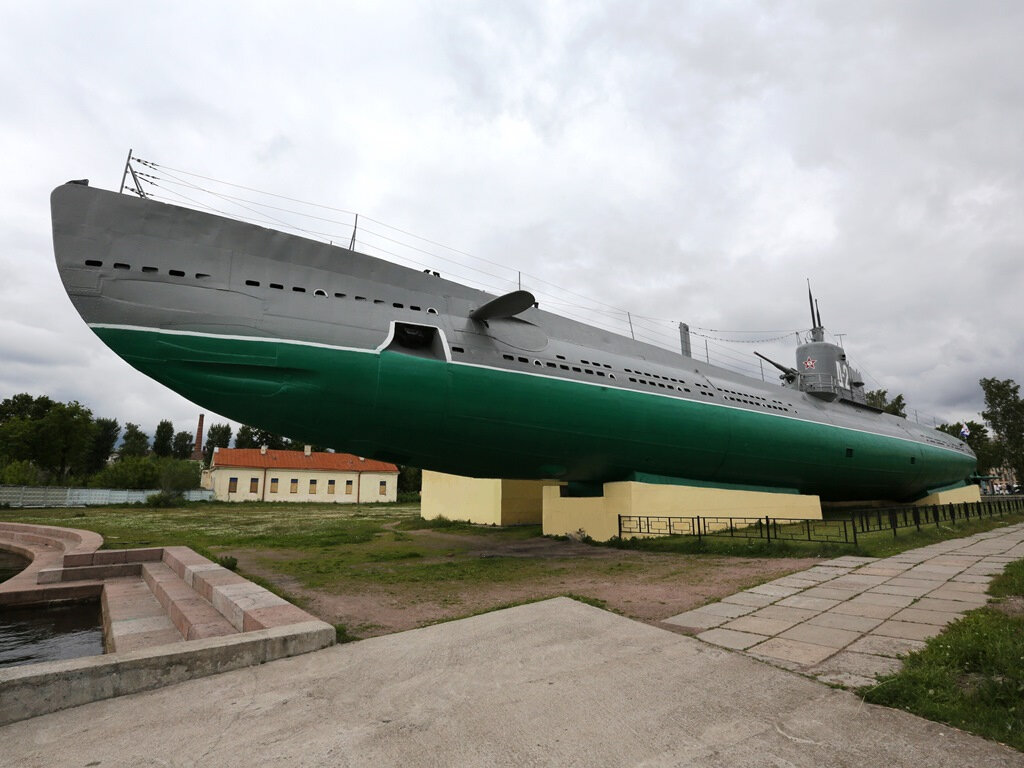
(768,528)
(854,526)
(892,522)
(697,521)
(917,518)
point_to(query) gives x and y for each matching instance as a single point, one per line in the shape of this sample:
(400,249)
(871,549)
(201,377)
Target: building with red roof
(260,474)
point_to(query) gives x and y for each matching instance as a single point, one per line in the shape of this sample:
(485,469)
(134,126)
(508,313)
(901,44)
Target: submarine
(335,347)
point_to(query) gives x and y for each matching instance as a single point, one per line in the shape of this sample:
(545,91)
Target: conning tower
(821,367)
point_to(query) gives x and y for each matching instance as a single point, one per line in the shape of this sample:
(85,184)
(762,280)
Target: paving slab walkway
(853,618)
(555,683)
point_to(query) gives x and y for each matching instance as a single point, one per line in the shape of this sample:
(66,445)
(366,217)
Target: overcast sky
(681,161)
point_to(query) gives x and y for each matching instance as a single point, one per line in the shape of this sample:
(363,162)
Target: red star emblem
(809,363)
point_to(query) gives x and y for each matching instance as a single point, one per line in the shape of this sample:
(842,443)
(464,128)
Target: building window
(330,487)
(383,487)
(254,485)
(348,487)
(312,487)
(295,485)
(273,485)
(233,485)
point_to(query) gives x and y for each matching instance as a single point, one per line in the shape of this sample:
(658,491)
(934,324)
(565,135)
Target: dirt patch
(646,586)
(1012,606)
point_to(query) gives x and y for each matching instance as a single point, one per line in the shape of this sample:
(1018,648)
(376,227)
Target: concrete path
(556,683)
(852,618)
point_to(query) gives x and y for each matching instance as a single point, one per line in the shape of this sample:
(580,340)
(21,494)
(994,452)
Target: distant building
(259,474)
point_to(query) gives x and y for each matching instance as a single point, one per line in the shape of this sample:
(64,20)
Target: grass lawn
(204,526)
(972,675)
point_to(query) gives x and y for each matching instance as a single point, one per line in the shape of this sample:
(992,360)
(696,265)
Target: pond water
(11,564)
(33,633)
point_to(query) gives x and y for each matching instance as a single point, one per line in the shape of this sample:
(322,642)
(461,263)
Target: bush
(164,500)
(21,473)
(178,475)
(128,472)
(229,562)
(141,472)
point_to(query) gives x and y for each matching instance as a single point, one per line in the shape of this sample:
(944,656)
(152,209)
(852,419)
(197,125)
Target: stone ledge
(46,546)
(85,572)
(38,689)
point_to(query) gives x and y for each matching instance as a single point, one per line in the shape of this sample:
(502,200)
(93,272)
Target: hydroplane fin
(509,305)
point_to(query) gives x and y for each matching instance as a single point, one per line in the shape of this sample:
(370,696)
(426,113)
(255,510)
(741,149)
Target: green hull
(486,422)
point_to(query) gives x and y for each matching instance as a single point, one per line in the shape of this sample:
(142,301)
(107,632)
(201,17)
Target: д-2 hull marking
(226,314)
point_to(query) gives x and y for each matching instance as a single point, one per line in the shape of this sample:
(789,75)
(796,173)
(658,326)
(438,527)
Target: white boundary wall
(44,496)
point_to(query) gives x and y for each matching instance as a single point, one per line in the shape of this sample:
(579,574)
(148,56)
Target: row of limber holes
(322,292)
(256,284)
(563,366)
(148,270)
(703,391)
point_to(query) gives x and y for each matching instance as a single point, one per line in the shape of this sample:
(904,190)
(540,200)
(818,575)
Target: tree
(409,479)
(299,445)
(249,437)
(246,437)
(218,436)
(18,439)
(1004,411)
(879,399)
(64,436)
(163,438)
(988,451)
(24,406)
(135,442)
(55,437)
(181,448)
(103,441)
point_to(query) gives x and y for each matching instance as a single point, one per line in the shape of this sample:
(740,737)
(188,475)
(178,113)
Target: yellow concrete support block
(598,517)
(484,501)
(591,515)
(969,493)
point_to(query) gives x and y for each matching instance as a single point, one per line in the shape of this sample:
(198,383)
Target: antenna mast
(817,332)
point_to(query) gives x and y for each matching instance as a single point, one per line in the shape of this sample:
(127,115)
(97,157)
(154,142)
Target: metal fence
(837,530)
(30,496)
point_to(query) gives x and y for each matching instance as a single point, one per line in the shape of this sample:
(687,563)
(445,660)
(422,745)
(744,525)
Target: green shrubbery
(141,472)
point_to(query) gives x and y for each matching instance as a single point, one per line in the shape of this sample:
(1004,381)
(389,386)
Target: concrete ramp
(554,683)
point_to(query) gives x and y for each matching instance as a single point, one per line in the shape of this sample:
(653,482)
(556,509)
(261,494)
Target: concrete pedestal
(520,502)
(970,494)
(598,517)
(485,501)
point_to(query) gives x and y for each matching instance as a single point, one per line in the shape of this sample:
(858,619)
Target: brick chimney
(197,452)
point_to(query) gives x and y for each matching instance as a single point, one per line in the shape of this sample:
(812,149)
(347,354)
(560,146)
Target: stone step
(247,606)
(194,616)
(133,618)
